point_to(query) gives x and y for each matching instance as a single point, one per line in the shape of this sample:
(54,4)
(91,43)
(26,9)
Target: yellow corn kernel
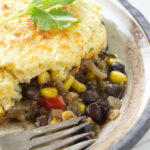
(1,111)
(68,83)
(66,115)
(117,77)
(90,120)
(53,121)
(43,78)
(112,60)
(49,92)
(54,74)
(82,107)
(21,117)
(79,87)
(90,75)
(114,114)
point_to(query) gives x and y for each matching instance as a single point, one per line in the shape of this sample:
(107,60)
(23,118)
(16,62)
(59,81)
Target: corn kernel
(112,60)
(81,107)
(20,117)
(43,78)
(114,102)
(114,114)
(54,74)
(1,111)
(66,115)
(79,87)
(53,121)
(90,120)
(68,83)
(49,92)
(90,75)
(116,76)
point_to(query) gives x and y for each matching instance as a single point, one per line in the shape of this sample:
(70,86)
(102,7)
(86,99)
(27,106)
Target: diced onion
(91,66)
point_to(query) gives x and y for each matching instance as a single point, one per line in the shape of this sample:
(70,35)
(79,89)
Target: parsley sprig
(44,19)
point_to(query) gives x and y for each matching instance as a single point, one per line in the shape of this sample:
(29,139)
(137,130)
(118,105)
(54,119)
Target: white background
(144,7)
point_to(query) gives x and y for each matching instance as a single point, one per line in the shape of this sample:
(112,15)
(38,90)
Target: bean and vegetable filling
(94,90)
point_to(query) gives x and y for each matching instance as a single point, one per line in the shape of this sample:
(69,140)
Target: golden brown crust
(26,51)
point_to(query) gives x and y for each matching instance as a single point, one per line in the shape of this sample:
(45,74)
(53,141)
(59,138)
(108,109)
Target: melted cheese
(26,51)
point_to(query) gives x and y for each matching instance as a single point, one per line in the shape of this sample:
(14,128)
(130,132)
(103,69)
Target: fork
(48,137)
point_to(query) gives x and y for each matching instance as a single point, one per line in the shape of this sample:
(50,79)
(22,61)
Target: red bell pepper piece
(53,103)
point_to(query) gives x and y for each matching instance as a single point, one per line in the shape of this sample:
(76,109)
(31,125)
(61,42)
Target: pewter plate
(126,38)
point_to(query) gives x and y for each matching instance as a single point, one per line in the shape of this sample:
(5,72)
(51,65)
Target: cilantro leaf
(52,3)
(42,19)
(46,20)
(63,18)
(41,1)
(34,3)
(46,1)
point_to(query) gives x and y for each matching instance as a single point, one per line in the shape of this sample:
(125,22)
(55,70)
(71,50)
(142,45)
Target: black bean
(96,63)
(41,121)
(89,96)
(33,93)
(91,87)
(105,106)
(113,90)
(34,81)
(24,86)
(41,116)
(98,112)
(94,112)
(81,78)
(117,66)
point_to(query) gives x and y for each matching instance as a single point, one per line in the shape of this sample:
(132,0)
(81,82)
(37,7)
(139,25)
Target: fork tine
(80,145)
(48,138)
(48,128)
(65,142)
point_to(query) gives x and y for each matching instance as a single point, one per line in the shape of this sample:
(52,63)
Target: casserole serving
(126,39)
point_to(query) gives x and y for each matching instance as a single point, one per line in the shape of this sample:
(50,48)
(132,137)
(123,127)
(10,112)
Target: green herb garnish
(91,49)
(47,19)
